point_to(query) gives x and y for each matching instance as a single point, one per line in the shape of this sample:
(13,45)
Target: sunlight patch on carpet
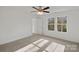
(35,46)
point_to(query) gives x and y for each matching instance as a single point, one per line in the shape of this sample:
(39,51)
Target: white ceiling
(54,9)
(57,9)
(62,8)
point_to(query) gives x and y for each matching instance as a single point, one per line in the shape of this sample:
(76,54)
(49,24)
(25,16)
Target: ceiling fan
(40,10)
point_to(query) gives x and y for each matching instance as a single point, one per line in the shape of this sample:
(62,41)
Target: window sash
(62,28)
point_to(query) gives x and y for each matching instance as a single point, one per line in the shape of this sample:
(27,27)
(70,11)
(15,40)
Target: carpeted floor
(40,43)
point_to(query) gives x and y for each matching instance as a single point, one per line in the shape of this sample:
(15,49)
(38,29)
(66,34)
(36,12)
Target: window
(61,24)
(51,24)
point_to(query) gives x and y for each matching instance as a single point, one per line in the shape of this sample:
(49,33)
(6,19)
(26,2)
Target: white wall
(15,23)
(72,33)
(37,24)
(34,25)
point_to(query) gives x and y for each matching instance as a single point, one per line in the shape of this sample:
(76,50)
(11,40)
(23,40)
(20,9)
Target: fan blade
(35,8)
(40,7)
(33,11)
(46,11)
(46,8)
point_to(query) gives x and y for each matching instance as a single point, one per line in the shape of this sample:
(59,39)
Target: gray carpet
(24,42)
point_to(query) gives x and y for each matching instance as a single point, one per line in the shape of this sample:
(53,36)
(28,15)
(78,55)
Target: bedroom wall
(15,23)
(72,33)
(37,24)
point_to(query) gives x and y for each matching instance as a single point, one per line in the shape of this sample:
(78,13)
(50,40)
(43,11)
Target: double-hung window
(61,24)
(51,24)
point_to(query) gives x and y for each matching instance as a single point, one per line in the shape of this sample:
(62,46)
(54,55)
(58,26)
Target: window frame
(53,23)
(62,24)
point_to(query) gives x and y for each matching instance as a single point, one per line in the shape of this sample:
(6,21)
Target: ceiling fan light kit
(40,10)
(40,13)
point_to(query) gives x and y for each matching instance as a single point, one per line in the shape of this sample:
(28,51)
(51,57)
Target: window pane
(59,20)
(64,20)
(61,24)
(59,27)
(64,28)
(51,24)
(51,20)
(50,27)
